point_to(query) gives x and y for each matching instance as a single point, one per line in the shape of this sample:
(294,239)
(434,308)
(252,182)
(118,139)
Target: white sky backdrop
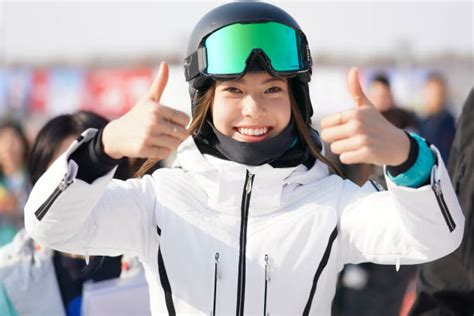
(37,30)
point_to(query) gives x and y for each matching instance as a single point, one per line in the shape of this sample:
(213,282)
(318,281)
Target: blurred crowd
(365,289)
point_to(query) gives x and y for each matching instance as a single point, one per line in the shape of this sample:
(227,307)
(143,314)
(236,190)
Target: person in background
(14,183)
(380,93)
(446,286)
(72,270)
(438,127)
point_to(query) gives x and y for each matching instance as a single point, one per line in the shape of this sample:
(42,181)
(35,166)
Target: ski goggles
(225,52)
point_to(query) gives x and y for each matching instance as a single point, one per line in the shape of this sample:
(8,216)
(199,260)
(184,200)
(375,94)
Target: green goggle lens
(228,48)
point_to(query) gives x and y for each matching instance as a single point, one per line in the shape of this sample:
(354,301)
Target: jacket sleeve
(106,217)
(402,225)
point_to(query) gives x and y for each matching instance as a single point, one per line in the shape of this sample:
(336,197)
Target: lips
(253,134)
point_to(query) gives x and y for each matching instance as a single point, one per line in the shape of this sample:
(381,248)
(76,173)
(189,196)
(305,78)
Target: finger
(355,89)
(348,144)
(173,115)
(337,119)
(171,129)
(158,86)
(164,141)
(335,133)
(356,156)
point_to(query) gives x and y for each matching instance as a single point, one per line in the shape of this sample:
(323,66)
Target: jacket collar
(223,181)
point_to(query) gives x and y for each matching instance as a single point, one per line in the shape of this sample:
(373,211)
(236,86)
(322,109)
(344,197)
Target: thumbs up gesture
(363,135)
(149,129)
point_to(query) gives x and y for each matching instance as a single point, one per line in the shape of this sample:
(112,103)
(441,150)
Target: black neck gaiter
(258,153)
(283,150)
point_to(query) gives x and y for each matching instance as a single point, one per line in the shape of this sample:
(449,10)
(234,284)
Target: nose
(252,107)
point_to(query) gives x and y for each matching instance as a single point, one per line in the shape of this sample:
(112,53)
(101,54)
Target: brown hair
(204,104)
(305,136)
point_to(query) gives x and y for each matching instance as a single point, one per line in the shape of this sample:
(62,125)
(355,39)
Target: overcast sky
(37,30)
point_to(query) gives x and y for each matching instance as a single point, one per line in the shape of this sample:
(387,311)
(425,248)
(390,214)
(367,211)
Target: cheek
(282,114)
(222,116)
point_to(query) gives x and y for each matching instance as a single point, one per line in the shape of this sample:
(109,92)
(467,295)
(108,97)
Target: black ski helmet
(244,12)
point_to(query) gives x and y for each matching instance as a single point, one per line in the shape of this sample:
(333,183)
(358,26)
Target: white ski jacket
(218,237)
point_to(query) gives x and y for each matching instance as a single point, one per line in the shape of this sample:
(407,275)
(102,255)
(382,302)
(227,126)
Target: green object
(420,172)
(6,306)
(227,49)
(7,233)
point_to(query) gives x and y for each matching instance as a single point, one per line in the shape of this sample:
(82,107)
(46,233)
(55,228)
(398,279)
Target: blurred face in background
(380,96)
(435,94)
(12,151)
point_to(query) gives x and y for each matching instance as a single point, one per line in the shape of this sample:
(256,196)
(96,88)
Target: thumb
(158,86)
(355,88)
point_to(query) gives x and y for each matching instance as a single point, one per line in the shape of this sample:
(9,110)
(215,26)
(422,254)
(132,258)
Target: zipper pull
(86,257)
(248,188)
(397,264)
(216,276)
(69,176)
(267,279)
(66,181)
(63,185)
(437,187)
(218,270)
(267,269)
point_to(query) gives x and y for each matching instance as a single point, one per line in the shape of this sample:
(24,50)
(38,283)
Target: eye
(273,90)
(232,90)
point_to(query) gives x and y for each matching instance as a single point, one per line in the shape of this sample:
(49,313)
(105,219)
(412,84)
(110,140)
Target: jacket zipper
(267,279)
(215,283)
(442,205)
(243,242)
(63,185)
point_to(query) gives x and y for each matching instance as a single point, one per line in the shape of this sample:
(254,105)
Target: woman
(250,212)
(14,184)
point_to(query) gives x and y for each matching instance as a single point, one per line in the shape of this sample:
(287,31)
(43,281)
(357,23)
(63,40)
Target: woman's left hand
(363,135)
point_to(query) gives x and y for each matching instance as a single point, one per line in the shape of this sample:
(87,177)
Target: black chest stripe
(320,269)
(243,243)
(165,283)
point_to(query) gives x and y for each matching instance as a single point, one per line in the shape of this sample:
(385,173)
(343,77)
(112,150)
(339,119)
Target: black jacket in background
(445,287)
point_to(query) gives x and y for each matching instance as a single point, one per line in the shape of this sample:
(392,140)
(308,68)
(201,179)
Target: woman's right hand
(149,129)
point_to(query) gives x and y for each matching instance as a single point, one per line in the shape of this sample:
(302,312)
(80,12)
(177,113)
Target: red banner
(112,92)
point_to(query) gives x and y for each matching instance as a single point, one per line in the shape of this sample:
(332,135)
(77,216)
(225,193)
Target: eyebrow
(274,79)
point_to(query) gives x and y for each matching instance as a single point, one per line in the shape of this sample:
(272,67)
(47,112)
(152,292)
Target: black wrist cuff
(92,160)
(99,153)
(412,156)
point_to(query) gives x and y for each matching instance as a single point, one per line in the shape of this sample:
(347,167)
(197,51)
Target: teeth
(253,131)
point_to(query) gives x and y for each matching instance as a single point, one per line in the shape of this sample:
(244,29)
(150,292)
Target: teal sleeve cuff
(420,172)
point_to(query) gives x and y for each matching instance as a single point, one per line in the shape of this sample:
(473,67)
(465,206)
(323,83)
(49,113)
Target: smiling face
(253,108)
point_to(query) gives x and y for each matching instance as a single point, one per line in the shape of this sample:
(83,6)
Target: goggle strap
(190,67)
(195,64)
